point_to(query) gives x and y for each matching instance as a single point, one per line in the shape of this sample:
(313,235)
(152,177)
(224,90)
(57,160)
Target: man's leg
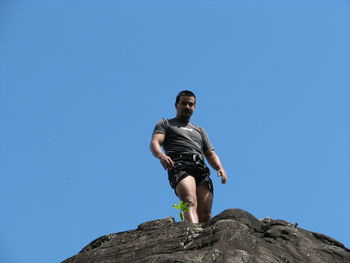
(186,190)
(204,203)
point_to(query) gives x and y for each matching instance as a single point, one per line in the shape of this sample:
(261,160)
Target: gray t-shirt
(182,137)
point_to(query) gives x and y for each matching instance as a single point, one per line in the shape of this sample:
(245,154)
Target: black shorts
(192,165)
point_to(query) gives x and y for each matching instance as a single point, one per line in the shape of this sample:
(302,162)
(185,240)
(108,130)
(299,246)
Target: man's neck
(182,120)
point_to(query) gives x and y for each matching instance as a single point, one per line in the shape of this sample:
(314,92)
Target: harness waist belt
(186,156)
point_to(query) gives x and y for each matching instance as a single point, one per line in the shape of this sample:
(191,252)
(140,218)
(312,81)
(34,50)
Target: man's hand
(156,142)
(214,161)
(223,176)
(167,162)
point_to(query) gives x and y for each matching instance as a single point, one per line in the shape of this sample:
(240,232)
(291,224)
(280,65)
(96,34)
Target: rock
(232,236)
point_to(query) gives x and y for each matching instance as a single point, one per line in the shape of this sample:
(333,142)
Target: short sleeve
(161,127)
(206,142)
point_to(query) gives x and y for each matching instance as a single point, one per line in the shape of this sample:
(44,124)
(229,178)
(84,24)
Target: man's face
(185,107)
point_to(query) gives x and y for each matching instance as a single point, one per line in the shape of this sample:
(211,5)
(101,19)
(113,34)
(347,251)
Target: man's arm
(215,162)
(156,143)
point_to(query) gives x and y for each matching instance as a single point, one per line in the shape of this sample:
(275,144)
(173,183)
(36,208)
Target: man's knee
(190,199)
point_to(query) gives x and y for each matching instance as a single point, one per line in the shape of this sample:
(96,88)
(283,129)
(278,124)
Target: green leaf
(183,207)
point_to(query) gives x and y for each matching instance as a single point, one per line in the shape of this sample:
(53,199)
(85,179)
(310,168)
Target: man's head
(184,93)
(185,105)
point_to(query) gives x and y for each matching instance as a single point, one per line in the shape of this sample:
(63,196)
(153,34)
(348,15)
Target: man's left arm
(215,162)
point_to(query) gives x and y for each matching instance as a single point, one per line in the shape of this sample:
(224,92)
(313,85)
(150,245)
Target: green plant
(183,207)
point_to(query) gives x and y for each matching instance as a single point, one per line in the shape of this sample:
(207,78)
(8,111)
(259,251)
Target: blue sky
(84,82)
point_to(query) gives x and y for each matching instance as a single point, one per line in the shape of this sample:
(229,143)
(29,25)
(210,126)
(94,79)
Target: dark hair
(185,93)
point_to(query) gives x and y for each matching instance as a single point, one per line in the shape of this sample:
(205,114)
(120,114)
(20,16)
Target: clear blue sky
(84,82)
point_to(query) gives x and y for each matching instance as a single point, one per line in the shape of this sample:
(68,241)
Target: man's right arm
(156,143)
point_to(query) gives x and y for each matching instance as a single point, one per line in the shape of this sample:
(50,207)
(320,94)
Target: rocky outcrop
(232,236)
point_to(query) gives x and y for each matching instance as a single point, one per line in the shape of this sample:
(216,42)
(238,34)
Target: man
(185,144)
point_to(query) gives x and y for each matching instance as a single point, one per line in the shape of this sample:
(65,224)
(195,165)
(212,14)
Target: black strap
(188,156)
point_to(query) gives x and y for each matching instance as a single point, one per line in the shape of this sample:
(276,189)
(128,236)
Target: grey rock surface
(232,236)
